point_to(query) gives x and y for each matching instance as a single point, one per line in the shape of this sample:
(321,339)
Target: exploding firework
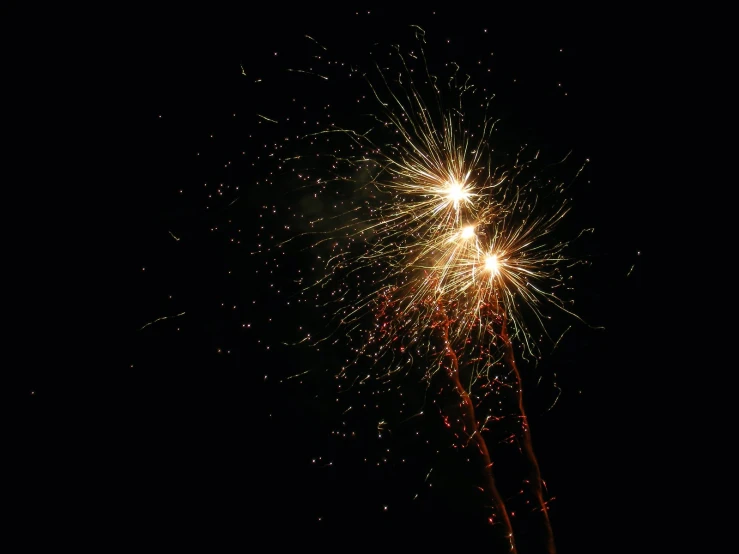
(433,252)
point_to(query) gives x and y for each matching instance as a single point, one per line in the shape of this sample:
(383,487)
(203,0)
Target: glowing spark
(468,232)
(492,264)
(161,319)
(457,193)
(309,73)
(298,374)
(315,41)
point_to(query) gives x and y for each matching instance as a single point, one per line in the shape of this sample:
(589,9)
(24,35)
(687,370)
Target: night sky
(192,432)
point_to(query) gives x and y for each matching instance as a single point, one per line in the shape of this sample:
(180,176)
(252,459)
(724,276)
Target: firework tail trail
(467,410)
(534,478)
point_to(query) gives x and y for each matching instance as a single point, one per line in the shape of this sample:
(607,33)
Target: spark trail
(472,429)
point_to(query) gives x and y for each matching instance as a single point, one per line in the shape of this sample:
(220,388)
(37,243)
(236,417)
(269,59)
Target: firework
(438,252)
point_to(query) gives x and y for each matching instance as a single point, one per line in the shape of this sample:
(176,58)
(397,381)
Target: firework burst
(442,255)
(434,217)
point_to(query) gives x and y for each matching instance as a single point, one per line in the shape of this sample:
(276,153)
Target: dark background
(173,435)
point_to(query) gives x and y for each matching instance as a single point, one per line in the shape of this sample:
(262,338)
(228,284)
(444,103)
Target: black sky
(177,438)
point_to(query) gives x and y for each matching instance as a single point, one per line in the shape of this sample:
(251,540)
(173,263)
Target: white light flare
(464,235)
(492,265)
(456,193)
(468,232)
